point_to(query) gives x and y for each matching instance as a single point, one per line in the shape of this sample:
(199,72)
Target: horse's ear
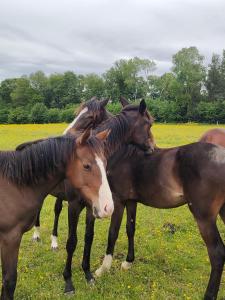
(142,107)
(123,101)
(83,137)
(103,102)
(103,134)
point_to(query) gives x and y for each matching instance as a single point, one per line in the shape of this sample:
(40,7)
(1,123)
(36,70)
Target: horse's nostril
(105,208)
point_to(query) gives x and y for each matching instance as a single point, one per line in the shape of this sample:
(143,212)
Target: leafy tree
(222,70)
(64,89)
(190,73)
(214,79)
(165,87)
(6,88)
(53,115)
(4,115)
(23,93)
(18,115)
(93,85)
(124,78)
(40,83)
(39,113)
(208,112)
(67,115)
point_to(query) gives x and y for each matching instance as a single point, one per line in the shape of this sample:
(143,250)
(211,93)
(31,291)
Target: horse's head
(89,115)
(141,122)
(90,177)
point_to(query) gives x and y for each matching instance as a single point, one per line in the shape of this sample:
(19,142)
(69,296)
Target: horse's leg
(89,235)
(216,252)
(74,210)
(112,237)
(131,207)
(36,234)
(222,213)
(57,210)
(9,258)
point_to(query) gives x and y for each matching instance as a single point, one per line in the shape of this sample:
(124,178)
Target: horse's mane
(126,151)
(120,130)
(39,160)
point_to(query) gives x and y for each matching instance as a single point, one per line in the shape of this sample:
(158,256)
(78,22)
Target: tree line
(191,91)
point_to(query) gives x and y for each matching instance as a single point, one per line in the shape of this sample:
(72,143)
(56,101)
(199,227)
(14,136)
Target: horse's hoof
(54,243)
(98,272)
(69,293)
(69,290)
(54,248)
(36,239)
(126,265)
(91,281)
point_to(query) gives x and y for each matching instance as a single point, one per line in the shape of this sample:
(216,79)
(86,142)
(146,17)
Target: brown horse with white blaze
(90,114)
(27,176)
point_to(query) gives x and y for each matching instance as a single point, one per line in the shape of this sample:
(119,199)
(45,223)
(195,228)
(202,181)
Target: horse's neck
(119,133)
(45,186)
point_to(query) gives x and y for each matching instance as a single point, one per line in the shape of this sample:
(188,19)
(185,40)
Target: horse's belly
(163,197)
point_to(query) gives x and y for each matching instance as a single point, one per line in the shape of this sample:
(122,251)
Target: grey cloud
(88,36)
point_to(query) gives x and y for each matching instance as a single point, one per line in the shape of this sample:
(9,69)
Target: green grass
(167,266)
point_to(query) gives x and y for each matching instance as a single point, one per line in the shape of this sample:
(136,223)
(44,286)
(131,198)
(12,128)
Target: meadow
(167,265)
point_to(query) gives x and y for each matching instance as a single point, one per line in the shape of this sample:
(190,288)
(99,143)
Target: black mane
(120,130)
(41,159)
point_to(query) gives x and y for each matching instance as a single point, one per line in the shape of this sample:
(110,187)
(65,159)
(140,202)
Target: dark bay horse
(193,174)
(132,125)
(89,115)
(27,176)
(214,136)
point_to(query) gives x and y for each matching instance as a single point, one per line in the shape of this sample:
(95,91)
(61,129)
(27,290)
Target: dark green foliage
(114,107)
(53,115)
(67,115)
(190,92)
(4,116)
(18,116)
(39,113)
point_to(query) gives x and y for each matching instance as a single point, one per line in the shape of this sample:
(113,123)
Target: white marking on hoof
(126,265)
(54,243)
(106,265)
(91,282)
(70,293)
(36,234)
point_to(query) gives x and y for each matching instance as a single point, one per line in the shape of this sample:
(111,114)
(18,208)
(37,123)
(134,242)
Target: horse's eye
(87,167)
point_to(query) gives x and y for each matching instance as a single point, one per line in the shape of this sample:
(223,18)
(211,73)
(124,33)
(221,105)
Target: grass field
(167,266)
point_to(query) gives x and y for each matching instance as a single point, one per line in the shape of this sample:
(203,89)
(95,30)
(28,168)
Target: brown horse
(193,174)
(89,115)
(132,125)
(215,136)
(27,176)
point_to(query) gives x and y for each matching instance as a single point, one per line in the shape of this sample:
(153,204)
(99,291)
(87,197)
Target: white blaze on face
(75,120)
(105,203)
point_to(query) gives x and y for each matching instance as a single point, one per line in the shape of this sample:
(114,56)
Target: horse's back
(214,136)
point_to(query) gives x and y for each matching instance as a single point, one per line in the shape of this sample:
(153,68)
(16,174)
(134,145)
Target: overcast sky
(89,35)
